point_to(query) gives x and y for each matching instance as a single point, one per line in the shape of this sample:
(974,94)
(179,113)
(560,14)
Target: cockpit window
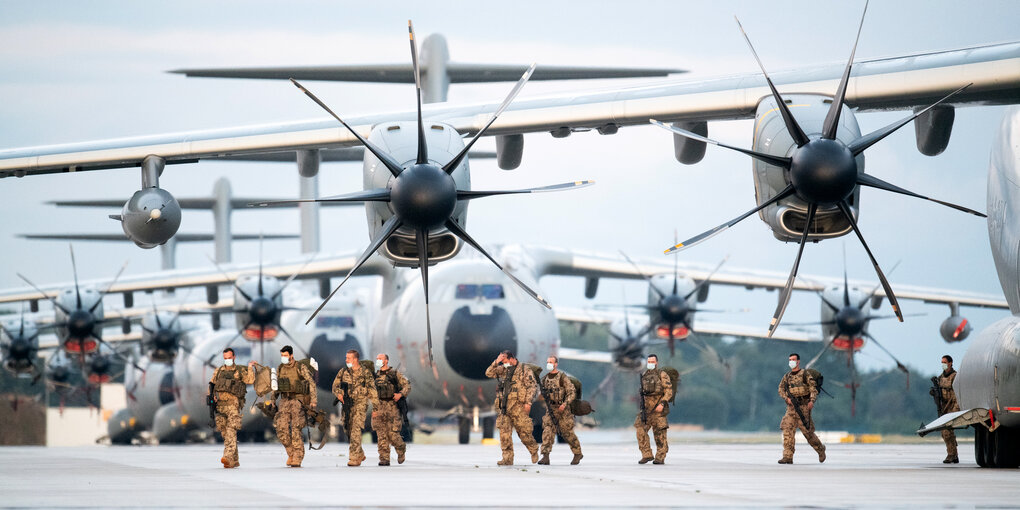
(343,321)
(474,290)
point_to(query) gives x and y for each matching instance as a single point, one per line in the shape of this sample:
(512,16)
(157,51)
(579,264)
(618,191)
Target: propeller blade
(875,182)
(388,229)
(859,145)
(846,282)
(881,277)
(293,342)
(118,354)
(603,385)
(293,276)
(791,125)
(704,236)
(471,194)
(455,162)
(422,240)
(368,195)
(828,303)
(853,383)
(384,158)
(819,355)
(707,279)
(47,296)
(233,283)
(74,271)
(816,323)
(260,265)
(883,317)
(644,276)
(704,347)
(676,264)
(874,289)
(452,226)
(192,354)
(784,297)
(423,151)
(782,162)
(672,342)
(899,365)
(229,344)
(109,287)
(831,123)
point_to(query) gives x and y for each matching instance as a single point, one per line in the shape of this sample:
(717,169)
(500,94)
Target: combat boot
(657,461)
(534,457)
(354,463)
(505,462)
(644,460)
(384,463)
(400,457)
(225,461)
(821,454)
(951,459)
(544,460)
(786,460)
(576,460)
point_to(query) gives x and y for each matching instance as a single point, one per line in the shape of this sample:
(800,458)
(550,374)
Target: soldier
(798,389)
(230,384)
(391,386)
(656,390)
(354,386)
(517,389)
(558,392)
(949,405)
(295,390)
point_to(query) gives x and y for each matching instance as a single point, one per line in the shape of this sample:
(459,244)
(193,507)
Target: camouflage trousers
(357,425)
(659,425)
(517,419)
(950,438)
(387,423)
(290,419)
(562,422)
(228,422)
(789,425)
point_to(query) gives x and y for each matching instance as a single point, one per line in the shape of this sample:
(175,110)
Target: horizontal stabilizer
(327,156)
(181,238)
(957,420)
(402,73)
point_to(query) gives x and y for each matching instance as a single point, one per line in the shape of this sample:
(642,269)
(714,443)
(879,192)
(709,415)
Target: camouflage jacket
(558,389)
(656,388)
(360,386)
(523,387)
(223,374)
(801,385)
(304,374)
(384,384)
(950,405)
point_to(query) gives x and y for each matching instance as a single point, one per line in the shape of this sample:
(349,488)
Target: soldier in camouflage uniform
(797,386)
(949,405)
(361,388)
(230,385)
(517,390)
(558,392)
(390,387)
(295,389)
(656,390)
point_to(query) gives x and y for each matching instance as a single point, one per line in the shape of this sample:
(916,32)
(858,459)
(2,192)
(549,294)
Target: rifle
(321,422)
(210,400)
(641,400)
(504,388)
(402,409)
(793,400)
(936,393)
(346,410)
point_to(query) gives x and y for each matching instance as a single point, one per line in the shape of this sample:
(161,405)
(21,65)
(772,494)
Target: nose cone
(80,324)
(20,350)
(673,309)
(823,171)
(850,321)
(424,196)
(262,311)
(473,341)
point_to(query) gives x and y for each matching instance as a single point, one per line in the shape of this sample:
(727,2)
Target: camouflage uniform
(387,421)
(800,387)
(361,390)
(515,393)
(557,389)
(296,390)
(230,388)
(949,405)
(656,388)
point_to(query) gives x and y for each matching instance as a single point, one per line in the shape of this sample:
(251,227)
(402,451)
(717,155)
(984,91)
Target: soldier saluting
(228,386)
(559,393)
(947,404)
(354,387)
(798,389)
(656,390)
(391,387)
(517,389)
(295,390)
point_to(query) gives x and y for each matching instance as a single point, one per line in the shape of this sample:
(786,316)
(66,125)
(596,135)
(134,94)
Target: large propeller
(822,171)
(423,194)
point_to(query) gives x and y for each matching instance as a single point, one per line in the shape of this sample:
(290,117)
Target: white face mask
(550,367)
(650,366)
(230,362)
(378,364)
(350,365)
(506,365)
(793,364)
(945,366)
(284,359)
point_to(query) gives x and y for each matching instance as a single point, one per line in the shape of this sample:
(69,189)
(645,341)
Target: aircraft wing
(585,355)
(320,267)
(956,420)
(565,262)
(604,317)
(879,84)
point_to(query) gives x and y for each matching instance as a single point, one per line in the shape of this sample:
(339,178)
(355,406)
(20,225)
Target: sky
(75,71)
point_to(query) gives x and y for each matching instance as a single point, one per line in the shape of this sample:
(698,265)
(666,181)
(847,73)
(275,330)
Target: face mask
(230,362)
(284,359)
(793,364)
(650,366)
(506,365)
(550,367)
(945,366)
(378,364)
(350,365)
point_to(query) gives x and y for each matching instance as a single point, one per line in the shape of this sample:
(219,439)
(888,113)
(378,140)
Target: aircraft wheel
(1007,448)
(489,427)
(980,438)
(991,449)
(464,430)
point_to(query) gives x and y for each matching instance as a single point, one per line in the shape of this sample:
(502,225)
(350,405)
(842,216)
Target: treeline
(743,397)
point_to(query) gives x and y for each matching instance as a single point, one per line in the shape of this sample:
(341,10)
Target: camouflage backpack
(579,407)
(674,379)
(817,376)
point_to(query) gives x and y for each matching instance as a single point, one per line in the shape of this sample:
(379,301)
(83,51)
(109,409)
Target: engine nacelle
(933,128)
(150,218)
(954,329)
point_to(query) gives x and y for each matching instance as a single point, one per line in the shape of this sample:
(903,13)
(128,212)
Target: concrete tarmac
(705,474)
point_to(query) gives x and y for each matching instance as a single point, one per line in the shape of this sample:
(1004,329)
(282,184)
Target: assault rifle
(210,401)
(346,410)
(793,400)
(936,393)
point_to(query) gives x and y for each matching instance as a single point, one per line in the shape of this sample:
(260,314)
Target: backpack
(674,379)
(818,377)
(579,407)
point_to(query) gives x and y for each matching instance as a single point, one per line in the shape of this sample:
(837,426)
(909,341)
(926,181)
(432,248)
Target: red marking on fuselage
(841,343)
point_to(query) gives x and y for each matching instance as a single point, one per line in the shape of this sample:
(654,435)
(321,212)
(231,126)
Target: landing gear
(463,430)
(488,427)
(999,449)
